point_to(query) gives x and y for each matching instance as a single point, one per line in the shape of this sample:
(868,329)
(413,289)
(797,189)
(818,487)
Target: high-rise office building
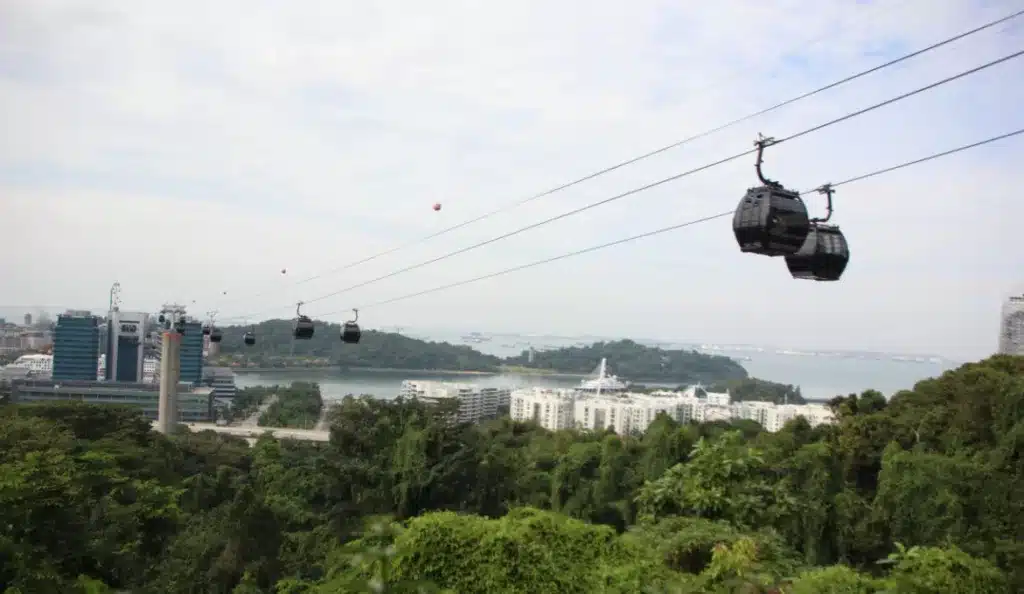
(192,353)
(126,332)
(76,342)
(1011,330)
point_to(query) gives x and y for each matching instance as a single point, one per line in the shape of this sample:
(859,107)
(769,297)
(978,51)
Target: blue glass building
(76,343)
(192,354)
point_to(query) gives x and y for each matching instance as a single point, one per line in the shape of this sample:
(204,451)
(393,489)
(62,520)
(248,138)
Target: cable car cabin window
(303,328)
(771,221)
(823,257)
(350,333)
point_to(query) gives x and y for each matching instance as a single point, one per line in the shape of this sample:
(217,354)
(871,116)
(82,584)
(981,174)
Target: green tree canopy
(920,493)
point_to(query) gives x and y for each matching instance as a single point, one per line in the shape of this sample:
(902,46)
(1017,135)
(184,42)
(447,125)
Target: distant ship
(475,337)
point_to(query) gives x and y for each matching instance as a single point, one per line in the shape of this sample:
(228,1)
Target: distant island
(276,349)
(636,362)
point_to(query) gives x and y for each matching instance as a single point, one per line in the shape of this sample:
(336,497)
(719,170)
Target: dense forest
(385,350)
(636,362)
(923,493)
(298,406)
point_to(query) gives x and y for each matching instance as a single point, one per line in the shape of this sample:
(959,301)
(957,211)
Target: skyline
(187,152)
(444,334)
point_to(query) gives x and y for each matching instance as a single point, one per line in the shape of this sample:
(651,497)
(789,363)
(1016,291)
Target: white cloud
(193,148)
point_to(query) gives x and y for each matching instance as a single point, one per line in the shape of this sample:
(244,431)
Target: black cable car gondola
(249,338)
(216,335)
(770,220)
(825,253)
(303,325)
(206,330)
(350,332)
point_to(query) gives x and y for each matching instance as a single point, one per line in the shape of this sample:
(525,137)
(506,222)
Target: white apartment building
(629,412)
(779,415)
(549,408)
(1011,330)
(712,398)
(475,403)
(705,412)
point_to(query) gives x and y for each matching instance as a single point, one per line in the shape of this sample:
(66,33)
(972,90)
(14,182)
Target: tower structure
(1011,328)
(172,318)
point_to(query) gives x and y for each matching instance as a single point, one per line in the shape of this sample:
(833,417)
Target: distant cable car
(825,253)
(216,335)
(437,206)
(249,338)
(206,330)
(770,220)
(284,270)
(350,332)
(303,325)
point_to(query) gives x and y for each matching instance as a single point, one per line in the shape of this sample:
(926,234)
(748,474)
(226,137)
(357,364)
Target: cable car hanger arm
(761,143)
(827,190)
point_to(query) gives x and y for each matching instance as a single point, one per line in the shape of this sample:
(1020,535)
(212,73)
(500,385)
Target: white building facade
(37,364)
(475,403)
(549,408)
(629,413)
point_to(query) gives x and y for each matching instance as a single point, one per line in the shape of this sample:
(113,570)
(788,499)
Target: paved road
(254,418)
(322,424)
(255,432)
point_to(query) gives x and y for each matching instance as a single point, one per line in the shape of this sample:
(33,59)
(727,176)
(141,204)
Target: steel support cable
(655,184)
(658,151)
(675,227)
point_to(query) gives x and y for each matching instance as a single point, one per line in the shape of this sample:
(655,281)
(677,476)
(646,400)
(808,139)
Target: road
(253,433)
(250,430)
(254,419)
(323,423)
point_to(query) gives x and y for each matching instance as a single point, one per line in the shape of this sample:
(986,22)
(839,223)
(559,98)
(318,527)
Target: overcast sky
(190,148)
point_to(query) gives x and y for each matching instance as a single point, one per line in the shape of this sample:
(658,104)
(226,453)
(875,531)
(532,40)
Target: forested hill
(385,350)
(636,362)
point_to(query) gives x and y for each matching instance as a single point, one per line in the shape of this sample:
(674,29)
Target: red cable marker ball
(437,206)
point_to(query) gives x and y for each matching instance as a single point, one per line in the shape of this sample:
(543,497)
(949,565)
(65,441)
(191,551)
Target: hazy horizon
(452,332)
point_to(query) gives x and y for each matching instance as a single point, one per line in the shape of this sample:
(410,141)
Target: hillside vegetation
(920,494)
(752,388)
(383,350)
(636,362)
(297,406)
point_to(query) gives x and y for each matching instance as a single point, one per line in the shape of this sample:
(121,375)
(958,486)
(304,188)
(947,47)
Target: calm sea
(819,377)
